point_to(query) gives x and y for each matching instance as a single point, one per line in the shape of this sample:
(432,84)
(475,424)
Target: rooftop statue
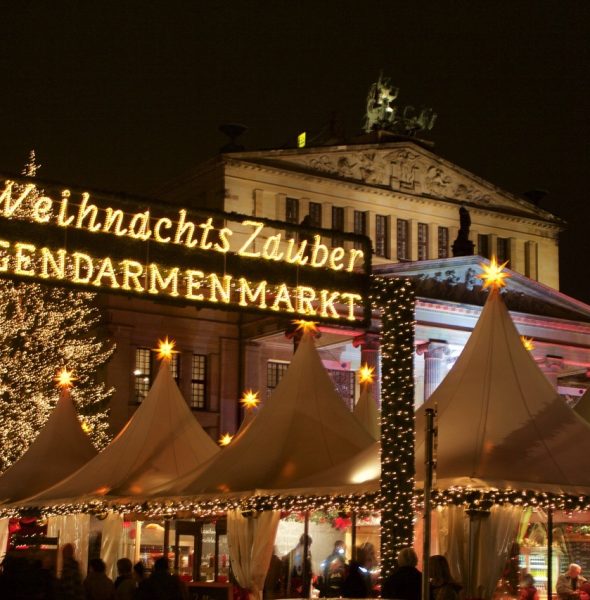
(382,114)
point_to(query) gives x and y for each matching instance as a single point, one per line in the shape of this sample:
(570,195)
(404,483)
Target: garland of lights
(394,298)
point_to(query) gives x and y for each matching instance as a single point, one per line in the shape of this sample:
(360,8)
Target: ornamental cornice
(405,195)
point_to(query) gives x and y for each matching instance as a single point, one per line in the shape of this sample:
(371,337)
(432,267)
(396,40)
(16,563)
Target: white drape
(3,537)
(251,540)
(477,549)
(71,529)
(110,544)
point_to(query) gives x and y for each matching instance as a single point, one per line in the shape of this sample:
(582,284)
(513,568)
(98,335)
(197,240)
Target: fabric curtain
(71,529)
(496,534)
(250,541)
(112,533)
(453,539)
(3,537)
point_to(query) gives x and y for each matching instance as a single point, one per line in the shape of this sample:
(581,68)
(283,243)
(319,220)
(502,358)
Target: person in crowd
(162,584)
(357,583)
(527,590)
(98,585)
(125,585)
(568,584)
(138,572)
(334,571)
(405,582)
(273,581)
(442,584)
(70,582)
(297,577)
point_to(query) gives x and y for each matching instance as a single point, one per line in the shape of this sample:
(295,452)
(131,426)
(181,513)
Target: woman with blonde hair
(405,582)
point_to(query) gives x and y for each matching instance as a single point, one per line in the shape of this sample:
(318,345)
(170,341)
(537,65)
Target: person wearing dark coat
(442,584)
(405,582)
(161,584)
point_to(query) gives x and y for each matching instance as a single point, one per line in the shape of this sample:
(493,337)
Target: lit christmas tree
(43,329)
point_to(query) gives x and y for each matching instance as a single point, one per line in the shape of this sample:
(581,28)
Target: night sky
(126,95)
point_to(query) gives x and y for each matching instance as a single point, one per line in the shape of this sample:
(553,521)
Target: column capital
(367,341)
(433,349)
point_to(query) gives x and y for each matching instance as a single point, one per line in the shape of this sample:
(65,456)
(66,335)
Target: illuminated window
(483,245)
(337,225)
(381,236)
(315,214)
(402,239)
(199,382)
(344,382)
(142,373)
(274,372)
(503,250)
(422,241)
(360,225)
(443,242)
(292,210)
(175,367)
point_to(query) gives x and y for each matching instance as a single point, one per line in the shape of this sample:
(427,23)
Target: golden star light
(493,274)
(225,439)
(366,374)
(306,326)
(165,348)
(250,399)
(86,427)
(527,343)
(64,378)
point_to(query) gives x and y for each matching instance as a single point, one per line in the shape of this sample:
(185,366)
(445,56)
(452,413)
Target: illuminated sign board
(116,244)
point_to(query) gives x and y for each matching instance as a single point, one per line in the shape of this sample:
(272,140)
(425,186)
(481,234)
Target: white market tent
(367,413)
(582,407)
(304,428)
(500,422)
(161,442)
(59,449)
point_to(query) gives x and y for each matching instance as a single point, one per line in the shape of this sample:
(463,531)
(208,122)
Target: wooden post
(428,470)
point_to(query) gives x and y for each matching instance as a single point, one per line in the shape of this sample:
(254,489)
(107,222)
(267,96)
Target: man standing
(569,583)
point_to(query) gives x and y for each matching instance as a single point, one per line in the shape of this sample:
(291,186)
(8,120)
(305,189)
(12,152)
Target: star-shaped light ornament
(86,427)
(306,326)
(493,274)
(250,399)
(527,343)
(64,378)
(366,374)
(225,439)
(165,349)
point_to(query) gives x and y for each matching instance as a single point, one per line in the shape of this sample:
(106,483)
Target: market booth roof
(61,448)
(302,429)
(161,442)
(582,407)
(500,422)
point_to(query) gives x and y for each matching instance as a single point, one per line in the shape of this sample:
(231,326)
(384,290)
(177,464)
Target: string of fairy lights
(394,298)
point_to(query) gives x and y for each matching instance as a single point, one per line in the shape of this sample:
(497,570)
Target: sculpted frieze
(404,170)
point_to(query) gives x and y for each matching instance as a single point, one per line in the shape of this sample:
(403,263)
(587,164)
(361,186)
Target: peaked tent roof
(500,422)
(302,429)
(59,449)
(161,442)
(367,413)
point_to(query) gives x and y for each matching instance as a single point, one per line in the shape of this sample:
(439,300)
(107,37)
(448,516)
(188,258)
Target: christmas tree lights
(43,328)
(394,298)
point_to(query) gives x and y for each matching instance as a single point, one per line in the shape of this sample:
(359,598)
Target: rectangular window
(381,236)
(315,214)
(422,241)
(337,225)
(142,373)
(483,245)
(274,372)
(292,210)
(402,239)
(199,382)
(443,242)
(503,250)
(360,225)
(175,367)
(344,382)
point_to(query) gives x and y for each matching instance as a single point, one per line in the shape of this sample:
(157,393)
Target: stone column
(369,345)
(434,352)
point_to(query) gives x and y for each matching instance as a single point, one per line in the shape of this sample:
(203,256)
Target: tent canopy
(366,412)
(302,429)
(61,448)
(500,422)
(161,442)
